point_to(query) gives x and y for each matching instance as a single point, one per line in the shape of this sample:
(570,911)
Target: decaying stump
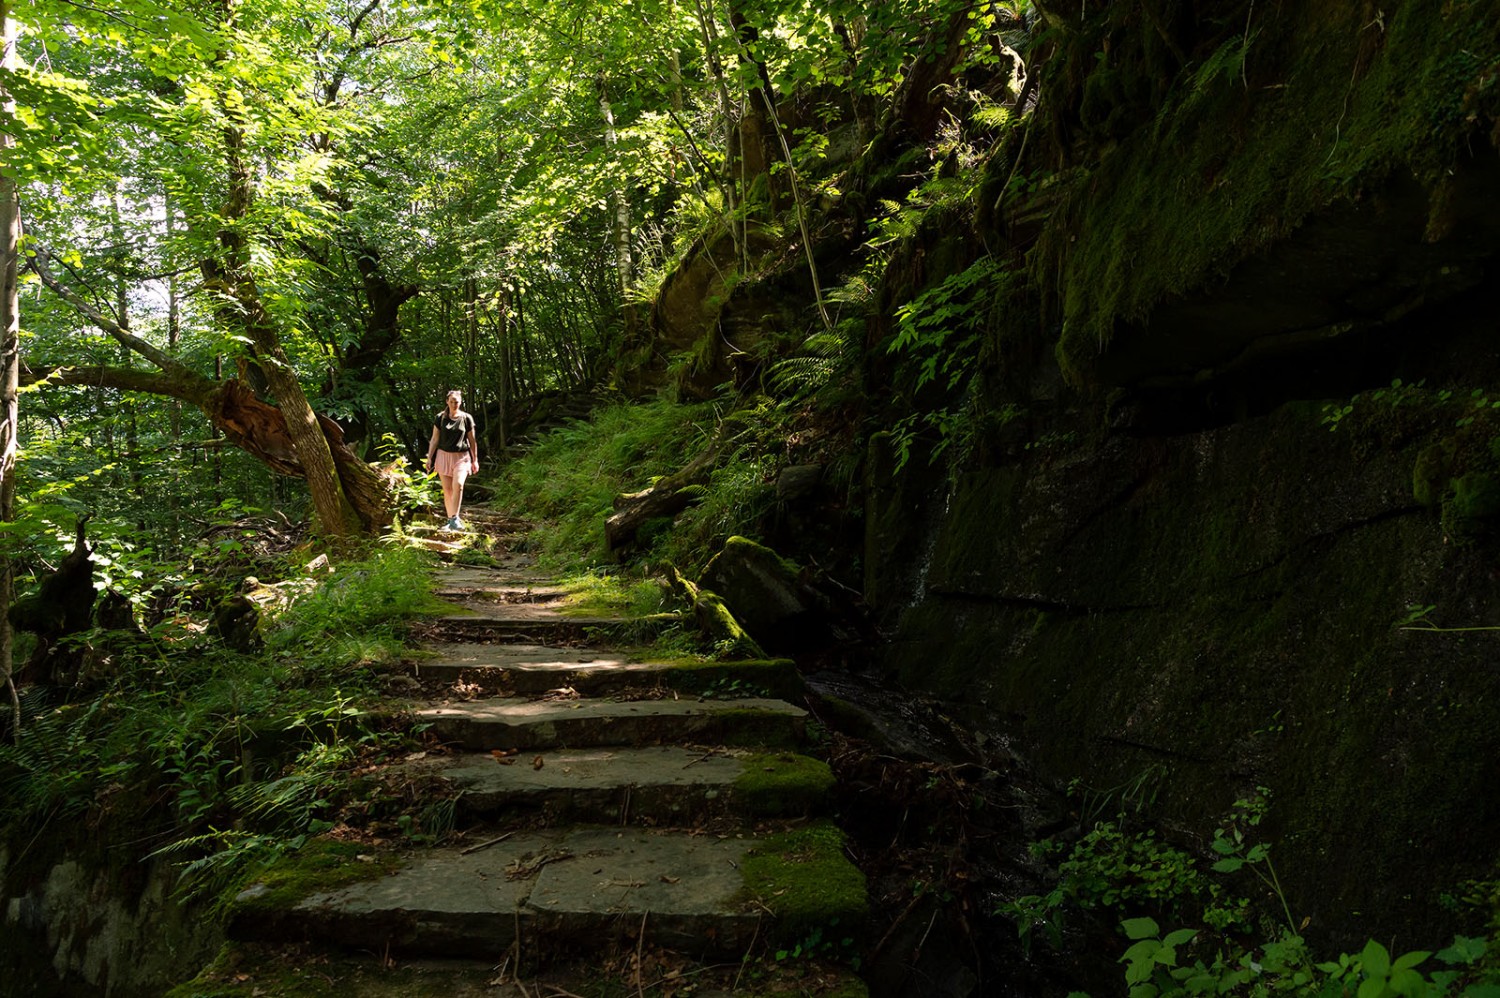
(62,605)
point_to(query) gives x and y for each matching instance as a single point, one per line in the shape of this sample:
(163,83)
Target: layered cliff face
(1250,398)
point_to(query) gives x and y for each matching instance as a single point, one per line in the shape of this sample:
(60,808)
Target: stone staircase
(620,826)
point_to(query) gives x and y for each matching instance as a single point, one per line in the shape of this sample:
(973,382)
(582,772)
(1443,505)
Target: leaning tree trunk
(232,278)
(10,356)
(232,407)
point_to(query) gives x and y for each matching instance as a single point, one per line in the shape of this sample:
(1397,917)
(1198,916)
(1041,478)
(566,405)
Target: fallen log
(669,496)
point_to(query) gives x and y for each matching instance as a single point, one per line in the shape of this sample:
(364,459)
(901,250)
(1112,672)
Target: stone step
(530,668)
(479,620)
(476,518)
(512,723)
(558,892)
(300,970)
(516,585)
(657,785)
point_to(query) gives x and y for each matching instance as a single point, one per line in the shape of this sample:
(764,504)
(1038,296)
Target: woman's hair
(456,394)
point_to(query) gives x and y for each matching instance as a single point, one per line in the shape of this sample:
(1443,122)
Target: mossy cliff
(1322,168)
(1186,545)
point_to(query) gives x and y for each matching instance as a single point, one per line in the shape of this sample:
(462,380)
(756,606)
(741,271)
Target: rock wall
(74,928)
(1260,314)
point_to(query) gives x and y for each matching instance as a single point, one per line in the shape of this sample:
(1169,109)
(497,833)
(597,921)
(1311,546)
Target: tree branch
(168,364)
(193,388)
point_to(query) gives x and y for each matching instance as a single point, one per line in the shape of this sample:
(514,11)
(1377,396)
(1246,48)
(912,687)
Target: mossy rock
(1471,507)
(804,879)
(1297,158)
(783,783)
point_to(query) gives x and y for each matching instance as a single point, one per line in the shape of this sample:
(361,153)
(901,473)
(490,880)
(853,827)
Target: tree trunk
(241,305)
(10,359)
(623,261)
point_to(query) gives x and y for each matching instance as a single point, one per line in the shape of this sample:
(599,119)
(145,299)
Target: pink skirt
(453,464)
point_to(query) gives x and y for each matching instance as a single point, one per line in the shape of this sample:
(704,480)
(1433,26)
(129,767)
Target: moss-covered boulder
(765,595)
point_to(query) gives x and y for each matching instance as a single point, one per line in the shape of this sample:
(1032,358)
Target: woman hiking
(453,453)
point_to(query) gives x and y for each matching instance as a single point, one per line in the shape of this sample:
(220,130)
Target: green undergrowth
(569,479)
(1192,926)
(236,758)
(596,592)
(802,877)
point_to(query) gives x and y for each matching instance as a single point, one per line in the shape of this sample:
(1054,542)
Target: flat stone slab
(510,723)
(532,622)
(582,887)
(529,668)
(663,784)
(658,785)
(506,585)
(535,669)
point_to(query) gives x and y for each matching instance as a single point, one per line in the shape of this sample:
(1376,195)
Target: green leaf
(1140,928)
(1411,959)
(1229,865)
(1465,950)
(1179,937)
(1375,959)
(1407,982)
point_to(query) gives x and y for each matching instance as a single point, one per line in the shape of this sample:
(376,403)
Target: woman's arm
(432,448)
(473,448)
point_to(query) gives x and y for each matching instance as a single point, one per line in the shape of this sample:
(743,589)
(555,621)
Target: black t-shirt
(453,431)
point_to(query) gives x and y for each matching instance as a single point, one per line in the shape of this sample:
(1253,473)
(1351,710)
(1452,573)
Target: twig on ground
(485,845)
(640,944)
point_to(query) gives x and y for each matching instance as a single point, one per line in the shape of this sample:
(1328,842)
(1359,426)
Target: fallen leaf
(670,880)
(537,763)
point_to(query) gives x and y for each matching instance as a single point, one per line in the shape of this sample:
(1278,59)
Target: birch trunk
(10,357)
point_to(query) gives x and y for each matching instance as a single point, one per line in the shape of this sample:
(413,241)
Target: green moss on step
(752,727)
(321,865)
(783,783)
(803,877)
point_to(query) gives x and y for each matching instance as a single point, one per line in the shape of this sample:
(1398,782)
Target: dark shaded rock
(1220,605)
(798,481)
(236,620)
(765,596)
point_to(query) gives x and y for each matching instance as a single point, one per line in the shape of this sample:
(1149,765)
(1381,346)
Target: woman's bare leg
(450,501)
